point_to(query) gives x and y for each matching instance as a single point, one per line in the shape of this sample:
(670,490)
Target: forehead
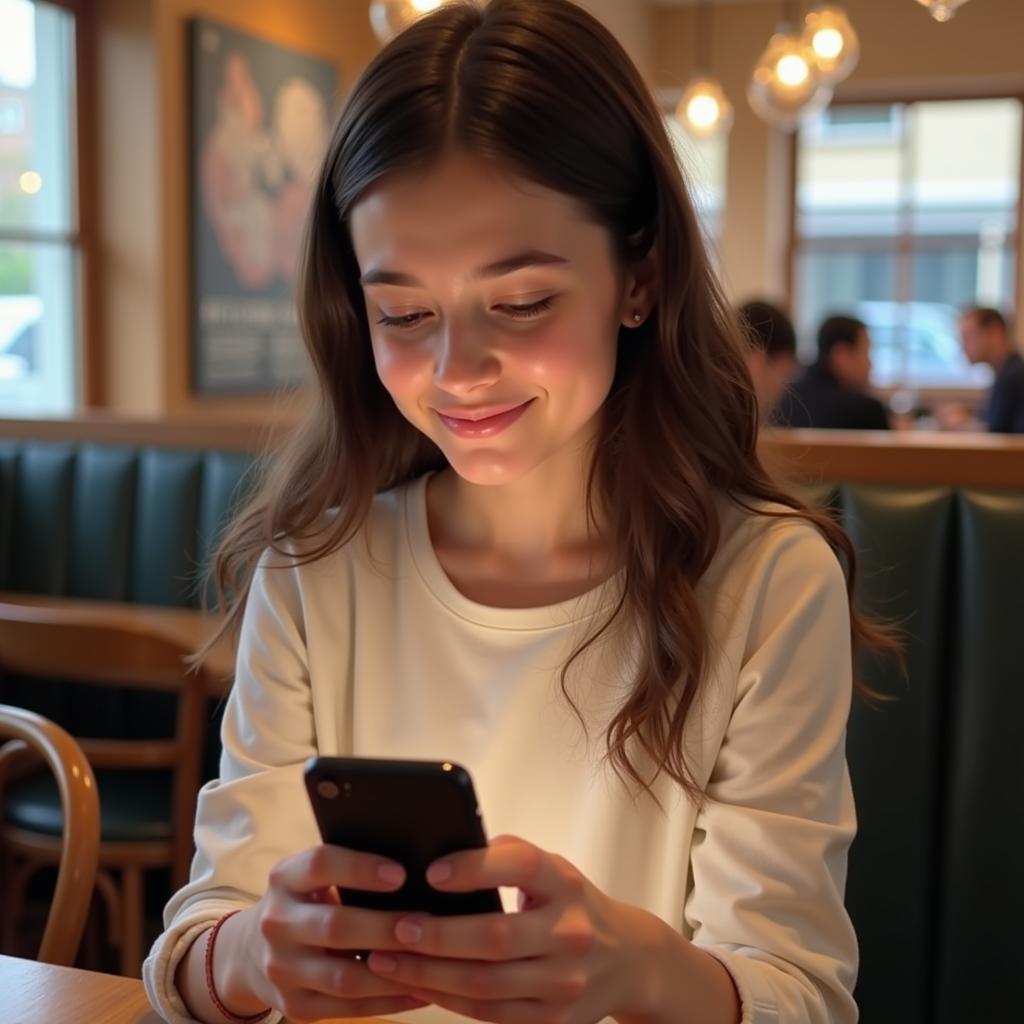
(464,205)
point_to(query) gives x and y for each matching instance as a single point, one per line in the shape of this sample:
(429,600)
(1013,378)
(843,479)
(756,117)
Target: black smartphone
(412,812)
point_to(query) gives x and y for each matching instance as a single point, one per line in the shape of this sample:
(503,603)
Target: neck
(530,521)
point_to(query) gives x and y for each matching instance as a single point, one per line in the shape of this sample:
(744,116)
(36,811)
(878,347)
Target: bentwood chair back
(25,735)
(147,787)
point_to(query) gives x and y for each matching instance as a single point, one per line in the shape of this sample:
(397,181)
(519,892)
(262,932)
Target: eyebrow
(530,258)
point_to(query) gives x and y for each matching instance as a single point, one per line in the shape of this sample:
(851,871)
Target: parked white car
(19,317)
(927,332)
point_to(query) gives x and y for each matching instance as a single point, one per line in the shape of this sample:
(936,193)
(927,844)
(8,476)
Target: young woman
(526,529)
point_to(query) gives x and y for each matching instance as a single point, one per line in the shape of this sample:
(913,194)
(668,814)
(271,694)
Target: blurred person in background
(834,393)
(986,339)
(771,358)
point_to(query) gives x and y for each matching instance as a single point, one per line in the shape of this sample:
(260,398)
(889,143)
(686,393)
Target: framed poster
(260,118)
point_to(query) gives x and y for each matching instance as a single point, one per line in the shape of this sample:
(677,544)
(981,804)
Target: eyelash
(524,312)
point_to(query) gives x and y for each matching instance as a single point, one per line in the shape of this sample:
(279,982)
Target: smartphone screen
(412,812)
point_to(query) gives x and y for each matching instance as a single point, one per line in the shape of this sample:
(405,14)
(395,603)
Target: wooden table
(34,993)
(184,626)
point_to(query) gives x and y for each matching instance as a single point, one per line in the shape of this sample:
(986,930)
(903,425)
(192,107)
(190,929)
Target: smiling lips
(482,421)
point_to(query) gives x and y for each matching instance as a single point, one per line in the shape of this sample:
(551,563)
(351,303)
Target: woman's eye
(518,311)
(403,322)
(524,311)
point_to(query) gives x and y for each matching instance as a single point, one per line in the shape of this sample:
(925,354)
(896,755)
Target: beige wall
(131,298)
(632,23)
(904,53)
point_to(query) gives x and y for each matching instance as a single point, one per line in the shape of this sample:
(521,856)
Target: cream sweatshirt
(372,651)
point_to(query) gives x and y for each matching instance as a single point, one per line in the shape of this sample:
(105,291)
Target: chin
(488,468)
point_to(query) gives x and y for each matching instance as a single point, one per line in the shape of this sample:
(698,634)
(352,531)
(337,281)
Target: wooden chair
(25,735)
(137,834)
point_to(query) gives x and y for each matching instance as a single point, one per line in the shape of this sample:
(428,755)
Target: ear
(640,290)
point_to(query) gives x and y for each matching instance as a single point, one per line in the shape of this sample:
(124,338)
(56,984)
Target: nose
(463,362)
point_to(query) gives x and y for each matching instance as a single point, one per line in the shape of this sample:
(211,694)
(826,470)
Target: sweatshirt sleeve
(770,848)
(256,812)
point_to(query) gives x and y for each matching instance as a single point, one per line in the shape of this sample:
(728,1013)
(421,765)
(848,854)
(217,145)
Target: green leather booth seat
(116,523)
(112,523)
(935,875)
(982,910)
(905,540)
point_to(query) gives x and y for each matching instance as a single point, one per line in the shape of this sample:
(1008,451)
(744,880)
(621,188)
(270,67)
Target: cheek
(401,366)
(578,354)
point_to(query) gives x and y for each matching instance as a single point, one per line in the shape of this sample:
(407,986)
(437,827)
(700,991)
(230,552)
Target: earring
(637,318)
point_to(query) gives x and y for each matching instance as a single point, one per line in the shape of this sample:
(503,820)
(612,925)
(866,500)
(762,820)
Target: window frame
(903,243)
(83,240)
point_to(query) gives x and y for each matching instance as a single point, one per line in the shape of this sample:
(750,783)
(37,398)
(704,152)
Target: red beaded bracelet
(211,988)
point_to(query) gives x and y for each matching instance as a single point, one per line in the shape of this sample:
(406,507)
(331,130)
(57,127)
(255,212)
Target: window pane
(36,117)
(964,164)
(932,185)
(854,280)
(849,175)
(37,290)
(38,308)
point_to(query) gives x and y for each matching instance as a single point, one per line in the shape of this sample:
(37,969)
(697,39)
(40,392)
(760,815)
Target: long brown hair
(541,86)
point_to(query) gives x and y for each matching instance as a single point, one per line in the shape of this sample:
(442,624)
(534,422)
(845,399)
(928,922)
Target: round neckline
(437,581)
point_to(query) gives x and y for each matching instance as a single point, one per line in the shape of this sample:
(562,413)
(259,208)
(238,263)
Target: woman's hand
(571,955)
(291,945)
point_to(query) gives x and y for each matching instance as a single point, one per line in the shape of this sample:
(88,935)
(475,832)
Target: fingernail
(383,964)
(394,874)
(439,872)
(408,931)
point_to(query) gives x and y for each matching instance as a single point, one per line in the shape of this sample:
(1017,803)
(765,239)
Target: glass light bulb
(828,43)
(832,41)
(942,10)
(704,110)
(786,82)
(792,69)
(389,17)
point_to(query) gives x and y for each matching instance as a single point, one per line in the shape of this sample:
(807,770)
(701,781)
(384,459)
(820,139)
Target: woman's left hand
(571,955)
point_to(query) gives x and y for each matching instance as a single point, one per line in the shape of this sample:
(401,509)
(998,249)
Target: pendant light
(389,17)
(828,32)
(704,110)
(942,10)
(786,82)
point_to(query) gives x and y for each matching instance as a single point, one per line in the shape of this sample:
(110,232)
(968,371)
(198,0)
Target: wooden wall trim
(969,460)
(229,435)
